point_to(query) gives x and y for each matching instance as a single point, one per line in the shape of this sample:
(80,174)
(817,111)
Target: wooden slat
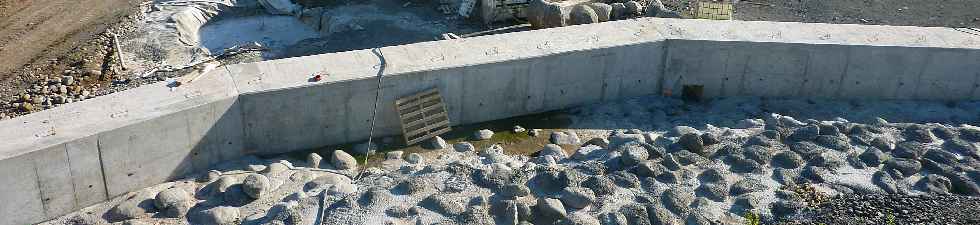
(419,101)
(428,127)
(431,134)
(402,100)
(437,115)
(424,110)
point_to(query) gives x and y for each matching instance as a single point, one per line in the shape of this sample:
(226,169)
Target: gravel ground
(896,209)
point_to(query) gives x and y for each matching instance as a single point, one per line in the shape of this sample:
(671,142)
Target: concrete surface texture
(137,138)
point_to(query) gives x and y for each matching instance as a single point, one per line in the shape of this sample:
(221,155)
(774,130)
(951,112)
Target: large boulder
(174,202)
(414,158)
(546,14)
(873,157)
(634,8)
(577,197)
(602,10)
(313,160)
(136,206)
(435,143)
(787,159)
(907,167)
(678,200)
(256,185)
(552,209)
(583,14)
(343,161)
(564,138)
(464,147)
(172,197)
(481,135)
(618,11)
(633,153)
(691,142)
(554,151)
(222,215)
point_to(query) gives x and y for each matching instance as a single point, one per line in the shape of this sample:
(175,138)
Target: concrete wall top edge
(435,55)
(86,118)
(81,119)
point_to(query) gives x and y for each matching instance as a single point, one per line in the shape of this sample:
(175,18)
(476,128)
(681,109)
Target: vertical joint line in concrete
(918,78)
(105,182)
(745,72)
(40,189)
(806,75)
(847,68)
(74,187)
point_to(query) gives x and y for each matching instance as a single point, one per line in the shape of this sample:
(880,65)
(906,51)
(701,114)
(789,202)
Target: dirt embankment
(32,33)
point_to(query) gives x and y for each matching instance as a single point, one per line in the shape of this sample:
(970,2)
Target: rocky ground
(718,162)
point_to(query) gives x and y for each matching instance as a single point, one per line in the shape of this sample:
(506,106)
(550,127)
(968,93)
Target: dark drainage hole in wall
(692,93)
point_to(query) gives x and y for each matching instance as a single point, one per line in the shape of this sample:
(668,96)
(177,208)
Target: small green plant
(891,219)
(752,219)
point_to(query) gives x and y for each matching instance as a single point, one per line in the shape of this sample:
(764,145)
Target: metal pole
(377,102)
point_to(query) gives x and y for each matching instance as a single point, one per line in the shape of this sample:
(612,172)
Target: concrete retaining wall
(59,160)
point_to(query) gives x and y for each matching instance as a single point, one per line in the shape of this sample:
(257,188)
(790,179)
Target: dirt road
(33,31)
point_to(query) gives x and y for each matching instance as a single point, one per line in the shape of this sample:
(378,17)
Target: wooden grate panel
(714,10)
(423,116)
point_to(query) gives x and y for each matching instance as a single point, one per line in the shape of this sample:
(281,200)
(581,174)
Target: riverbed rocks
(778,168)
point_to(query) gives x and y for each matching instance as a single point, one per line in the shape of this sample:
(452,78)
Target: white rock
(483,135)
(564,138)
(313,160)
(750,123)
(518,129)
(464,147)
(435,143)
(414,158)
